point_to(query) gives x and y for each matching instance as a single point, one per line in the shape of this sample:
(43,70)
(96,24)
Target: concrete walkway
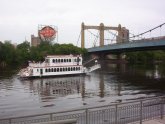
(155,121)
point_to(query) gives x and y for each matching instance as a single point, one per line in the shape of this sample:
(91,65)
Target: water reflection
(56,87)
(155,73)
(113,83)
(53,88)
(101,86)
(151,71)
(114,68)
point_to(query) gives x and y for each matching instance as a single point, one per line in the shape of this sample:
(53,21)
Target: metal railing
(122,113)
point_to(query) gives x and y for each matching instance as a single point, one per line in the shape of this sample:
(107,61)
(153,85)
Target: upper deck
(59,60)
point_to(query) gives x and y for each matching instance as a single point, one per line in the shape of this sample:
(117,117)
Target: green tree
(7,53)
(23,52)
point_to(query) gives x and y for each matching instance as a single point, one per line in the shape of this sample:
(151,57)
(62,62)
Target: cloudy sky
(20,18)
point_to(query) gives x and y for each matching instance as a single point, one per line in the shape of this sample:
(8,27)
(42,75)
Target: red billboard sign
(47,32)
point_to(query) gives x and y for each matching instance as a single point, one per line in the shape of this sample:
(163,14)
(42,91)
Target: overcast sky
(20,18)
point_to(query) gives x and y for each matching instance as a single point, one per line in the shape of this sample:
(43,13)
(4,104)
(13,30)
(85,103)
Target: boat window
(63,69)
(61,60)
(57,69)
(37,70)
(60,69)
(64,60)
(54,69)
(58,60)
(49,69)
(69,60)
(78,68)
(46,70)
(68,69)
(53,60)
(73,68)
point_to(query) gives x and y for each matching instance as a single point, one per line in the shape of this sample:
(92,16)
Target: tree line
(23,52)
(146,56)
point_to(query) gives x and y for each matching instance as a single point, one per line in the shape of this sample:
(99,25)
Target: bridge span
(157,43)
(122,41)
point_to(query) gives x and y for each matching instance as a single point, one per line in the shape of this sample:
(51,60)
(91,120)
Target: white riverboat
(57,65)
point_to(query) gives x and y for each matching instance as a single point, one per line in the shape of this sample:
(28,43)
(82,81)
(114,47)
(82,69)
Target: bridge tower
(82,36)
(123,33)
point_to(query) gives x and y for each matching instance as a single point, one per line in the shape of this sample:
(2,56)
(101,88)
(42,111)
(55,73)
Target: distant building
(7,41)
(35,41)
(15,45)
(123,35)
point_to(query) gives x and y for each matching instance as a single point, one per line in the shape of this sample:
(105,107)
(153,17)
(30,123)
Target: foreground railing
(136,111)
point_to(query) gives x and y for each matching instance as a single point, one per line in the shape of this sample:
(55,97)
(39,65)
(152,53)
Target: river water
(111,84)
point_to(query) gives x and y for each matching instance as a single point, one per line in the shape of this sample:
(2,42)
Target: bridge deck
(131,46)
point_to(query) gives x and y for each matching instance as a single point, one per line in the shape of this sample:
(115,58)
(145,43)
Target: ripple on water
(70,92)
(48,105)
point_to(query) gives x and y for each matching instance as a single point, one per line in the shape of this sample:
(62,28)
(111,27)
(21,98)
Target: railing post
(116,114)
(51,117)
(141,111)
(9,121)
(86,114)
(162,108)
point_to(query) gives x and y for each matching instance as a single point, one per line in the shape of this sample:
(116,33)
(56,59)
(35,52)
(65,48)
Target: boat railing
(38,64)
(44,64)
(85,63)
(94,67)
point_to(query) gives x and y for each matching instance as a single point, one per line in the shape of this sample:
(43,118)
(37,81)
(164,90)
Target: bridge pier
(110,57)
(121,57)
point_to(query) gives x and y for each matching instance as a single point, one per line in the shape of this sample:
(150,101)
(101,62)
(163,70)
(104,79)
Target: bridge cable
(96,36)
(92,33)
(116,35)
(96,39)
(160,33)
(149,30)
(78,38)
(133,36)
